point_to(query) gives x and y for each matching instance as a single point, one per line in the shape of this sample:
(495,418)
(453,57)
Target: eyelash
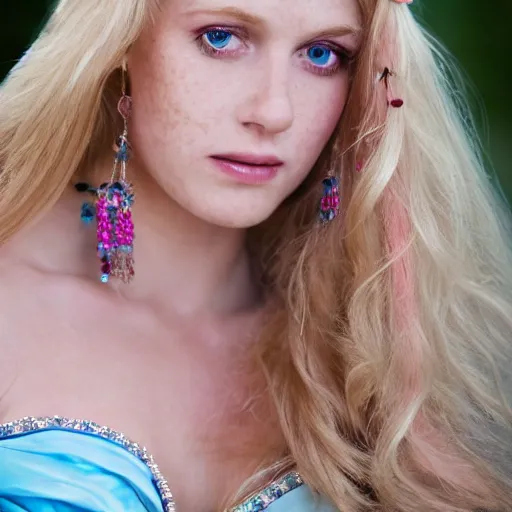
(344,58)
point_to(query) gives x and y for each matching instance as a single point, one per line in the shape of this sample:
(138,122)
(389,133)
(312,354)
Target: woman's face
(234,100)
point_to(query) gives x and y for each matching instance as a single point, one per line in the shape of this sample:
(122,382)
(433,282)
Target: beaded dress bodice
(54,464)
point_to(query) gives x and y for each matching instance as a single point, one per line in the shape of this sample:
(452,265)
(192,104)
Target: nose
(268,106)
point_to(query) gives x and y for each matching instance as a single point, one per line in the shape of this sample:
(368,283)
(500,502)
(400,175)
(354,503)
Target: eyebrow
(342,30)
(252,19)
(232,12)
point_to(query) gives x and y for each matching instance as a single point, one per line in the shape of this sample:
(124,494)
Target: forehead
(297,14)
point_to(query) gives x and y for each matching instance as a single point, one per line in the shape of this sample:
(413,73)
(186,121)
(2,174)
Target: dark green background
(478,33)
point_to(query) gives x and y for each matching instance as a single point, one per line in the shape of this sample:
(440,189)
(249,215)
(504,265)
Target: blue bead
(88,213)
(327,216)
(122,154)
(330,183)
(104,278)
(82,187)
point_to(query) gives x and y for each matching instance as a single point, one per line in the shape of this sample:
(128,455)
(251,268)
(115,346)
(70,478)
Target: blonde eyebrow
(233,12)
(343,30)
(239,14)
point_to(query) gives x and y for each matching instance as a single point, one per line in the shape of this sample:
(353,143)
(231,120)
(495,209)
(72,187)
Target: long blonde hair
(388,343)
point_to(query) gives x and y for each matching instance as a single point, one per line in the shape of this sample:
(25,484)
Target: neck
(197,264)
(181,262)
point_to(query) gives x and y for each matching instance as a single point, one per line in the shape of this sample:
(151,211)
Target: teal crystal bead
(88,213)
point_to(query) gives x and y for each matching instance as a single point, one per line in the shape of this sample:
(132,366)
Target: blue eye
(320,55)
(218,39)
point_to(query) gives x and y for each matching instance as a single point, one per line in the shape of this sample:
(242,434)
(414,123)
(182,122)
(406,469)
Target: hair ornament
(392,100)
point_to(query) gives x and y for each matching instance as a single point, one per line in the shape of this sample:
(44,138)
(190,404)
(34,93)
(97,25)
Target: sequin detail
(256,503)
(262,500)
(31,424)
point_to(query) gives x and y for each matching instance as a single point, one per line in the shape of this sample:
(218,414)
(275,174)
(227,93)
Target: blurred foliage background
(478,33)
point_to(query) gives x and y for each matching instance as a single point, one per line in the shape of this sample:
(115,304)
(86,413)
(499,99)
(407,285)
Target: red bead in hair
(384,77)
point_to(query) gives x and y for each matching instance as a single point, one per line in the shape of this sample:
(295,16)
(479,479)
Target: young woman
(310,308)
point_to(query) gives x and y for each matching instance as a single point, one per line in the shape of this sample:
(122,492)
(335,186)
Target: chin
(235,217)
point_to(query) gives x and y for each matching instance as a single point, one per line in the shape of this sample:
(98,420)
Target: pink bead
(124,106)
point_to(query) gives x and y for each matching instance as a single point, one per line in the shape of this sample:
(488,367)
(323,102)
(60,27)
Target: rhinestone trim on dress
(31,424)
(265,498)
(256,503)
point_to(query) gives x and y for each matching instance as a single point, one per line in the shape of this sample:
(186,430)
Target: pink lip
(248,168)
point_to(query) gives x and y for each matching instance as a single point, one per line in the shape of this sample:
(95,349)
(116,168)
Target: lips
(247,168)
(250,159)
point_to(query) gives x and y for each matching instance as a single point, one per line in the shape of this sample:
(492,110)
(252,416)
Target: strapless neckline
(27,425)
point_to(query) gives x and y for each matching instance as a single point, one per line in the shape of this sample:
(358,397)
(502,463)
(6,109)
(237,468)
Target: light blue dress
(54,464)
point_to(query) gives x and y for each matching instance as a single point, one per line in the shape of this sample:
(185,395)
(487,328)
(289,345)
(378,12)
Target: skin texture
(166,359)
(262,98)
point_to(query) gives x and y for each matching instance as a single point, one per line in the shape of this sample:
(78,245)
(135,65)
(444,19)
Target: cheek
(159,89)
(171,112)
(319,103)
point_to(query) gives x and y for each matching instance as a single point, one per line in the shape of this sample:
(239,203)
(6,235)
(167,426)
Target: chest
(191,397)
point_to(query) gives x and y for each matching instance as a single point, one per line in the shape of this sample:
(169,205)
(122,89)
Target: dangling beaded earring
(330,202)
(112,206)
